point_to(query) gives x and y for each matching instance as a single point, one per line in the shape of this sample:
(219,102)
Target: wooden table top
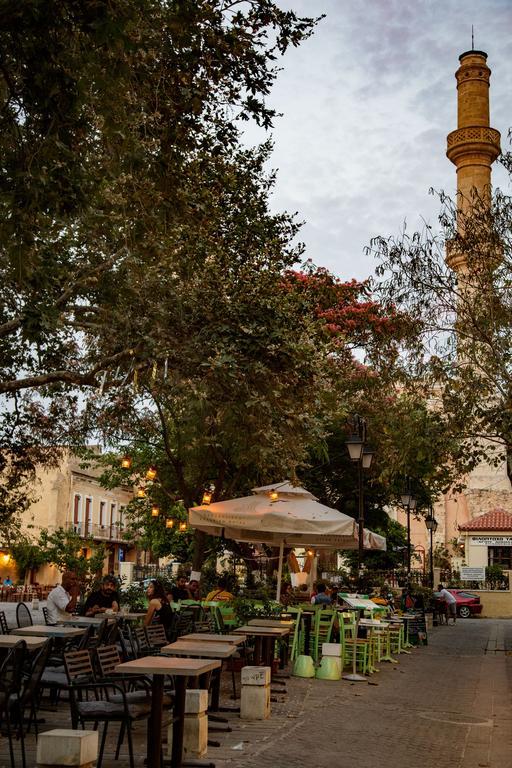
(8,641)
(85,621)
(43,630)
(168,665)
(210,637)
(200,650)
(263,631)
(270,623)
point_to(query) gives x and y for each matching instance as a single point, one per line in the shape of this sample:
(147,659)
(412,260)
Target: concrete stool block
(195,728)
(255,675)
(331,649)
(196,701)
(63,747)
(255,702)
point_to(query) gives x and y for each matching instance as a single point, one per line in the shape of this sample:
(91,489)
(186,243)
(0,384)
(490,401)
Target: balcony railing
(89,530)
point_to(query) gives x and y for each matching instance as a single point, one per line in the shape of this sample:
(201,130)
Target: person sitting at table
(321,597)
(159,611)
(221,592)
(62,599)
(180,591)
(103,599)
(194,589)
(8,582)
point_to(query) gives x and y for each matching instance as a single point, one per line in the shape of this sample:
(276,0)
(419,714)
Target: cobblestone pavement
(447,705)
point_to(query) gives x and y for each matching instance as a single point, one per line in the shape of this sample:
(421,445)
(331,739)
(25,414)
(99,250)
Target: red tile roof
(495,520)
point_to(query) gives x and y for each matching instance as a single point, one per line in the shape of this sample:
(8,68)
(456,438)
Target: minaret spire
(474,146)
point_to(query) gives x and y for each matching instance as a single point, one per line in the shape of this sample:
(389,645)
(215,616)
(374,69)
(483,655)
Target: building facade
(70,496)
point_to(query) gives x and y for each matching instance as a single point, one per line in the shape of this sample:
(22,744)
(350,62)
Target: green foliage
(134,597)
(252,608)
(469,320)
(27,554)
(67,550)
(120,188)
(494,574)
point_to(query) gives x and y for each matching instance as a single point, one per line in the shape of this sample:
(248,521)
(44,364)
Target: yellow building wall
(55,490)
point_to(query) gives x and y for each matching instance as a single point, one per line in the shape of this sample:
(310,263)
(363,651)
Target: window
(121,513)
(77,511)
(103,513)
(113,520)
(500,556)
(88,515)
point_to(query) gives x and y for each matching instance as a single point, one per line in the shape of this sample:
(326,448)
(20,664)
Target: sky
(367,103)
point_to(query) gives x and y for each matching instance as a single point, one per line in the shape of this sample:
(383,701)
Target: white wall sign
(491,541)
(472,574)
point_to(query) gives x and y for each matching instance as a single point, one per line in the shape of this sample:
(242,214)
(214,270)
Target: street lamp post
(361,454)
(409,503)
(431,524)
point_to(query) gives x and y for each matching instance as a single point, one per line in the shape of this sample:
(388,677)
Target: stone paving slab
(447,705)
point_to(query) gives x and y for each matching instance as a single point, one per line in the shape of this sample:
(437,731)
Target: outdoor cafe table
(199,650)
(265,638)
(279,623)
(49,630)
(33,643)
(371,625)
(181,670)
(85,621)
(210,637)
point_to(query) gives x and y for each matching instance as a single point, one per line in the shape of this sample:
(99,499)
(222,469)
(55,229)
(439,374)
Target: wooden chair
(110,703)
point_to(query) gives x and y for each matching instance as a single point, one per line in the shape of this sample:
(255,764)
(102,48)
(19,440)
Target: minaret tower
(474,146)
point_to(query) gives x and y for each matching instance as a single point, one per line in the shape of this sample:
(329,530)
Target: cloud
(367,103)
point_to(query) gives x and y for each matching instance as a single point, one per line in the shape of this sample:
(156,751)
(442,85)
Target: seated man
(62,599)
(105,598)
(321,597)
(221,592)
(180,591)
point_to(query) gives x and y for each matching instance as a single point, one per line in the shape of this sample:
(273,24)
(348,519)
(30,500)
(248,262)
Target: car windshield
(466,594)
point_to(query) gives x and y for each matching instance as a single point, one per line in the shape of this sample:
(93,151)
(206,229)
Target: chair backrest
(4,629)
(184,622)
(219,620)
(23,616)
(99,638)
(141,640)
(31,688)
(46,616)
(108,658)
(11,672)
(78,665)
(85,640)
(156,635)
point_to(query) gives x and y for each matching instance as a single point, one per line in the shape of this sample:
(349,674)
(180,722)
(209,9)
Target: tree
(249,394)
(464,320)
(105,108)
(112,114)
(66,549)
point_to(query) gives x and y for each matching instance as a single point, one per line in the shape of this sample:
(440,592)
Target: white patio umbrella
(283,515)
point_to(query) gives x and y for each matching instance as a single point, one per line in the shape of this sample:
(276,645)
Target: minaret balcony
(473,140)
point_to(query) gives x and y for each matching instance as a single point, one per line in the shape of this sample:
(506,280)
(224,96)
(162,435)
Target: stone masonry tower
(474,146)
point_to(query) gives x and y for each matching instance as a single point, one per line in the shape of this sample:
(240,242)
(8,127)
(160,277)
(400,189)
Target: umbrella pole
(280,571)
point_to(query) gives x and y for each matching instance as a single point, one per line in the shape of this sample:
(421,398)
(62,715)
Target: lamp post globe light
(362,455)
(431,524)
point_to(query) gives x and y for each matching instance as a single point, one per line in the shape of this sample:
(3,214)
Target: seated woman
(159,611)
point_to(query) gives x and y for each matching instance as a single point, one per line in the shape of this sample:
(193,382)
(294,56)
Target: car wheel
(464,612)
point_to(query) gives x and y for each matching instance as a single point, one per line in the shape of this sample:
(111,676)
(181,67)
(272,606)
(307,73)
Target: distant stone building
(72,497)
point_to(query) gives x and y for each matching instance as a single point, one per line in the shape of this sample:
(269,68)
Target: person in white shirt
(451,603)
(63,598)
